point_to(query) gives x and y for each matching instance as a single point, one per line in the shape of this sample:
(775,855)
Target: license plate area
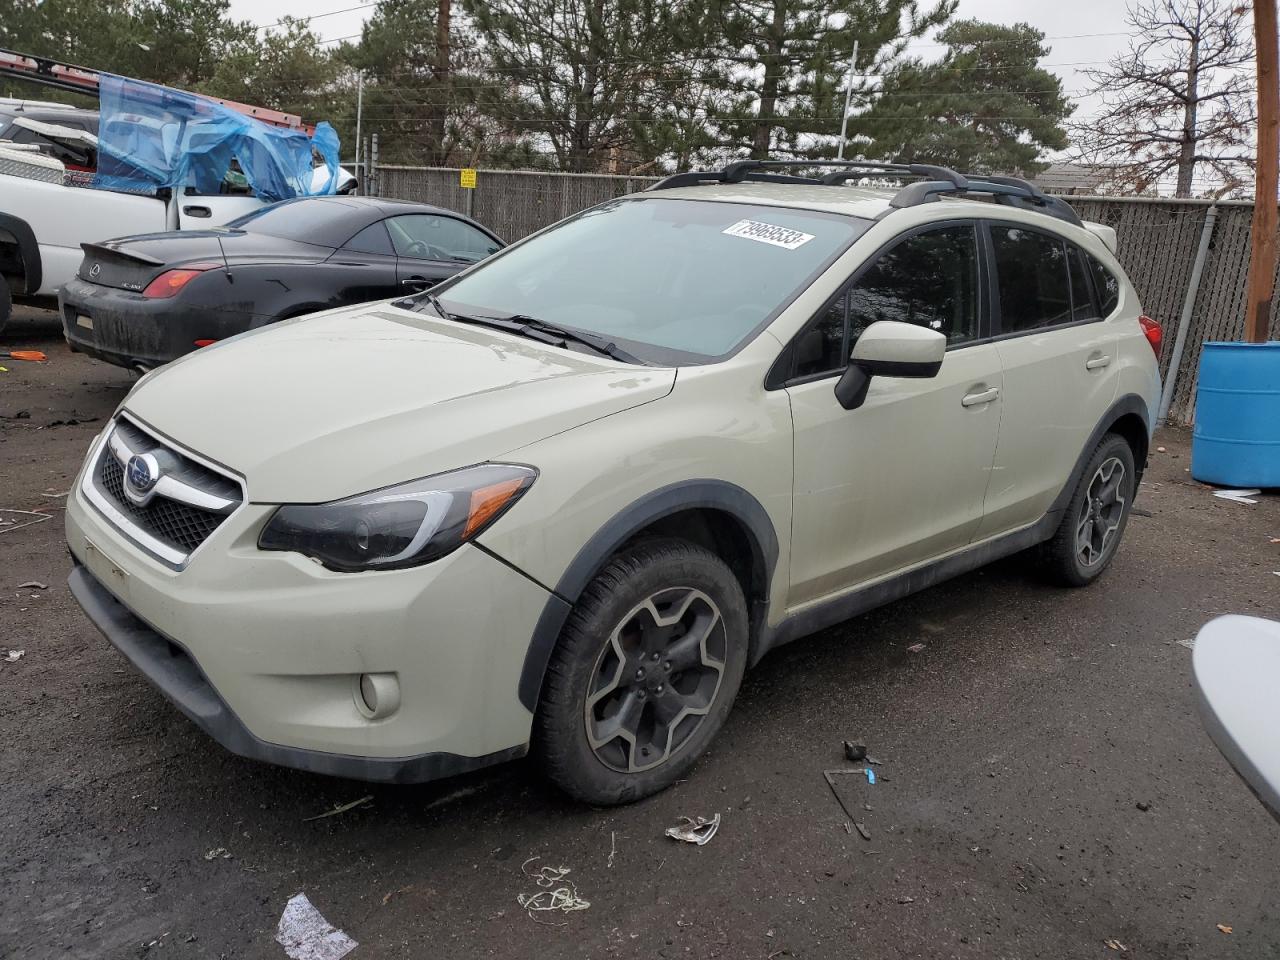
(109,573)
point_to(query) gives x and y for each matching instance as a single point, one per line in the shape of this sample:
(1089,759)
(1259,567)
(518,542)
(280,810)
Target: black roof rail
(935,181)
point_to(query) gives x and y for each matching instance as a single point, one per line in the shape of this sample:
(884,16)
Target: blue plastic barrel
(1237,435)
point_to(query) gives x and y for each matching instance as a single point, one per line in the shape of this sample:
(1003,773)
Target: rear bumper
(172,670)
(129,330)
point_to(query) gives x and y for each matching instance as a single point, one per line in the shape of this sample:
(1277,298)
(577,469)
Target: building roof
(1070,178)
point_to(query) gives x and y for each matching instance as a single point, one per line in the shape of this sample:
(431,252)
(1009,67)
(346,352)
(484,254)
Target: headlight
(401,526)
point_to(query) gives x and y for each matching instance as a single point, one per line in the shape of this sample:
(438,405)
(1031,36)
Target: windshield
(671,281)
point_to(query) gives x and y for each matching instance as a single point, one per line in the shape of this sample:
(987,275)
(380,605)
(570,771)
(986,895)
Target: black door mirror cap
(851,388)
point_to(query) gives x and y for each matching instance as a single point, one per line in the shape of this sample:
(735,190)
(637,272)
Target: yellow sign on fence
(467,178)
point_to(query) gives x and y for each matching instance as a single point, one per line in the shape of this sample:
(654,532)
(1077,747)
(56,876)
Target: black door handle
(418,283)
(200,213)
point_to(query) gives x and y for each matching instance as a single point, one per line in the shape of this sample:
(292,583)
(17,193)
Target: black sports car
(143,301)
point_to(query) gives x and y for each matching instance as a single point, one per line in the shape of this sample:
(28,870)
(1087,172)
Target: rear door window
(1033,284)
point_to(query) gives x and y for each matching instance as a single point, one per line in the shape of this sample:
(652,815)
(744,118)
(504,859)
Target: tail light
(171,281)
(1151,330)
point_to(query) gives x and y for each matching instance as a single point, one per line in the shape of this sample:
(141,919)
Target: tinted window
(672,281)
(1032,269)
(1106,284)
(372,239)
(930,280)
(1082,305)
(426,236)
(824,346)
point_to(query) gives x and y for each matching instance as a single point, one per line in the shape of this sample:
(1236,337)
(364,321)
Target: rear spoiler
(1104,233)
(107,249)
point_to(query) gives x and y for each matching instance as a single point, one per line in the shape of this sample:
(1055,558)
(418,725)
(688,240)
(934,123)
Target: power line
(693,77)
(317,16)
(983,43)
(772,121)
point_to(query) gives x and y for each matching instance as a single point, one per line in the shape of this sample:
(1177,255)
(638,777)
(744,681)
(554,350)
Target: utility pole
(444,11)
(1262,254)
(848,98)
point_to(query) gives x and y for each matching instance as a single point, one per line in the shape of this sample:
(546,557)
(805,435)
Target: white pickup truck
(43,221)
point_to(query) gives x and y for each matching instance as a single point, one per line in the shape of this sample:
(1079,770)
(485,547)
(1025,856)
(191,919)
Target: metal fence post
(1188,308)
(375,189)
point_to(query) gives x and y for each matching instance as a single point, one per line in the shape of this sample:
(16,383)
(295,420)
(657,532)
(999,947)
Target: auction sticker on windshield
(769,233)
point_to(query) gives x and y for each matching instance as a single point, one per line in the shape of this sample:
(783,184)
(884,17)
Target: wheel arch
(1127,417)
(17,233)
(716,514)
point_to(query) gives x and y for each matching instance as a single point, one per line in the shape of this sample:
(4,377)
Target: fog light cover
(377,694)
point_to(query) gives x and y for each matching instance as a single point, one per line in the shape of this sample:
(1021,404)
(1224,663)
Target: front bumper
(130,330)
(264,650)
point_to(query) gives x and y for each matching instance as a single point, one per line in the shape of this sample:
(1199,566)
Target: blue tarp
(150,135)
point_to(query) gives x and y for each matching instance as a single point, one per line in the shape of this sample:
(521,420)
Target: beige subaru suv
(560,502)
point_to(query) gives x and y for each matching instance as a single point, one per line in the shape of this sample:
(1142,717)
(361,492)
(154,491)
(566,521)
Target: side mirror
(890,349)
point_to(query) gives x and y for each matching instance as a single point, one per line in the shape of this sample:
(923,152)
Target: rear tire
(644,674)
(1093,523)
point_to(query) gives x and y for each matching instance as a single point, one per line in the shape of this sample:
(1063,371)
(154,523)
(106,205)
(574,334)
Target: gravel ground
(1045,784)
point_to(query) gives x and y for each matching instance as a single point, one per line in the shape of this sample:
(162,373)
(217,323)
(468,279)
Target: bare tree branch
(1177,98)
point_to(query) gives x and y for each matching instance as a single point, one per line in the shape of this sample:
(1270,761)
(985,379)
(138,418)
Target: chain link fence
(1157,242)
(511,203)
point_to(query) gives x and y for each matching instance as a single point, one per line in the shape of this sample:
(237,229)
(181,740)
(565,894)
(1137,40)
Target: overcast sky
(1063,22)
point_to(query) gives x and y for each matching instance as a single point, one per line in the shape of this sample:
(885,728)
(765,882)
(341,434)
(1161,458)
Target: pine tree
(782,64)
(985,106)
(590,80)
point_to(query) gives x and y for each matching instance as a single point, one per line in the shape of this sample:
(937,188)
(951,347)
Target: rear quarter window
(1105,284)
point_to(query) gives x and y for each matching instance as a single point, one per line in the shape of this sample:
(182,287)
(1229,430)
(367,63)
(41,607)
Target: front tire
(1093,523)
(644,674)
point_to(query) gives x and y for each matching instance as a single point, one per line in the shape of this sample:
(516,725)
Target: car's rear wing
(1104,233)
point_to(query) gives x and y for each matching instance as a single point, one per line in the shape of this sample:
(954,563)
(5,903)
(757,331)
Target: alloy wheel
(656,679)
(1101,513)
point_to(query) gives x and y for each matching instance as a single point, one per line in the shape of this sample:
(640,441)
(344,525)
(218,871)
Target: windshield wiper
(432,299)
(599,344)
(540,330)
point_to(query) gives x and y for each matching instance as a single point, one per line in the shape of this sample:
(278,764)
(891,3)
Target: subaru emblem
(142,472)
(94,271)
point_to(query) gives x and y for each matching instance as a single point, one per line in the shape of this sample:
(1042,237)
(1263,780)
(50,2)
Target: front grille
(178,524)
(185,506)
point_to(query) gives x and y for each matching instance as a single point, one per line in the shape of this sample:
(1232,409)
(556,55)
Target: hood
(338,403)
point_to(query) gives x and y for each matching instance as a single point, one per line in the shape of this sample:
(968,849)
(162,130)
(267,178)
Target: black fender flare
(1129,403)
(652,507)
(28,248)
